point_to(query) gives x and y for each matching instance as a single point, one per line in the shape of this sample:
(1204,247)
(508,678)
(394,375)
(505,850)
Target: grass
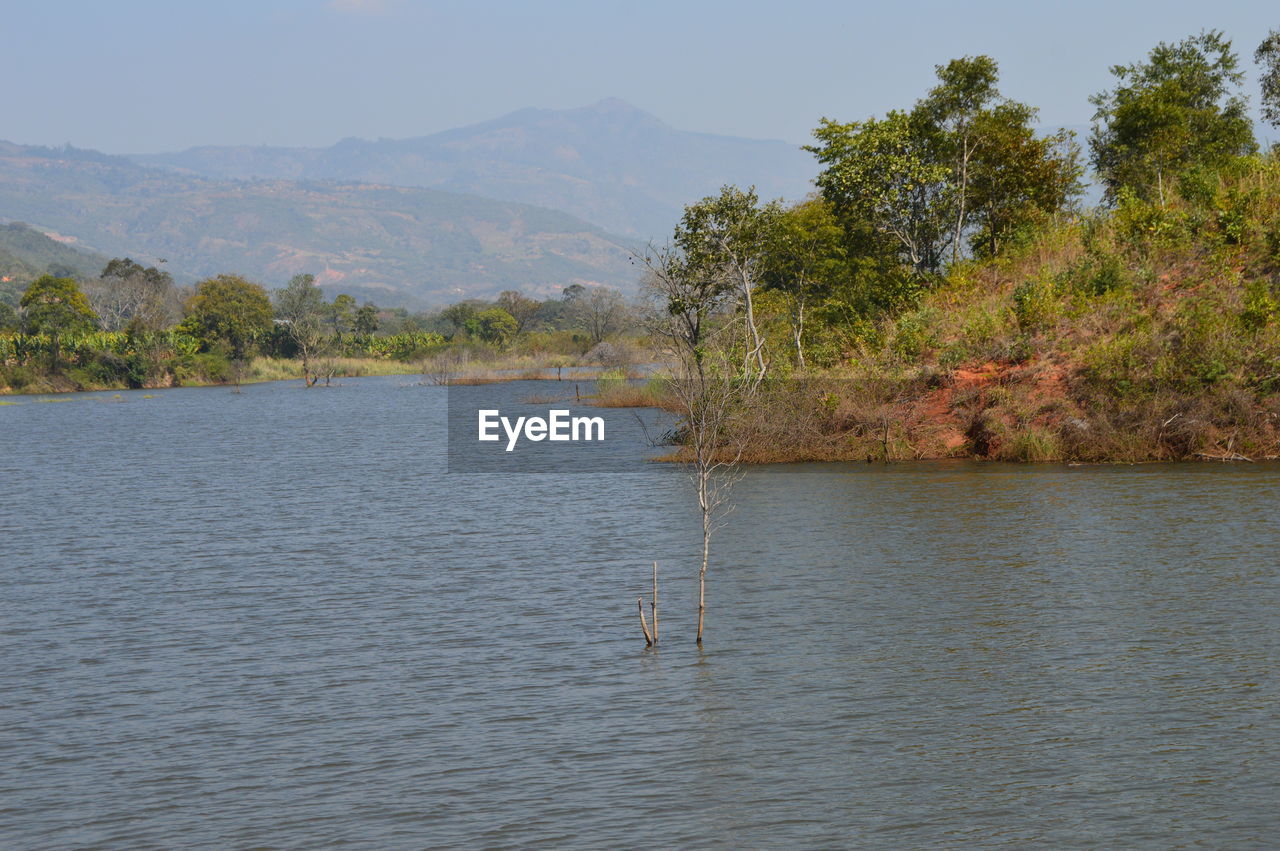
(617,389)
(283,369)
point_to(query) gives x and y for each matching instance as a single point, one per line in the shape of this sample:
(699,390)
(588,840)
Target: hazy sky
(132,76)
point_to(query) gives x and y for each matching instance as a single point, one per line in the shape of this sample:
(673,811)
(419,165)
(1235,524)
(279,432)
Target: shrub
(1035,303)
(1259,306)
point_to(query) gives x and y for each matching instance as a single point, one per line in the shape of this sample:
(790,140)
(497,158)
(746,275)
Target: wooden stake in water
(644,625)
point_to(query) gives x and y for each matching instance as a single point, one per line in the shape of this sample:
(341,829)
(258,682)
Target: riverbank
(442,369)
(257,370)
(1034,411)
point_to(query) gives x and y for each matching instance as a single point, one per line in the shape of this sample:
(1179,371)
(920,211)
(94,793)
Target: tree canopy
(56,306)
(494,325)
(302,311)
(962,168)
(130,295)
(228,311)
(1268,58)
(1180,108)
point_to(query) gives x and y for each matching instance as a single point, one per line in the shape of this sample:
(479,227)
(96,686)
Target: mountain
(397,245)
(26,254)
(610,164)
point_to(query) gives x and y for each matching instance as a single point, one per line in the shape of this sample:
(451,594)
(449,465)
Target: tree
(129,295)
(494,326)
(301,310)
(56,306)
(342,314)
(708,387)
(366,322)
(1180,108)
(723,239)
(228,311)
(1268,57)
(893,174)
(804,254)
(956,107)
(684,302)
(459,315)
(600,312)
(9,319)
(964,157)
(522,309)
(1018,178)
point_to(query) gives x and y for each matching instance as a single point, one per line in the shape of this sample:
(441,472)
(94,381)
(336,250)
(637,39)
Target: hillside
(393,244)
(608,163)
(1145,333)
(26,253)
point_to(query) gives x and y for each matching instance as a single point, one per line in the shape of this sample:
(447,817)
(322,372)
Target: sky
(143,76)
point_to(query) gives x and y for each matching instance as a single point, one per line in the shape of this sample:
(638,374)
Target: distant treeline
(130,326)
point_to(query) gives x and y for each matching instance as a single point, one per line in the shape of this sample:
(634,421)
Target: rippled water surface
(273,620)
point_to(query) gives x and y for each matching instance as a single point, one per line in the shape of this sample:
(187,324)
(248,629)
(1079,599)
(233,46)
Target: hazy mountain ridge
(609,163)
(397,244)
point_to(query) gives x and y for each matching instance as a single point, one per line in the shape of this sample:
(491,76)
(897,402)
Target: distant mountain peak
(617,108)
(616,105)
(609,162)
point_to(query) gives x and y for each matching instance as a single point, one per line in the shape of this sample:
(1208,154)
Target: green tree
(301,309)
(57,307)
(723,239)
(367,319)
(342,314)
(894,174)
(1018,178)
(1268,58)
(805,254)
(956,108)
(9,320)
(228,311)
(684,303)
(494,326)
(460,315)
(1180,108)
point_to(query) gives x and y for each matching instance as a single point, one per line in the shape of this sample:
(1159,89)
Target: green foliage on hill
(26,254)
(1148,329)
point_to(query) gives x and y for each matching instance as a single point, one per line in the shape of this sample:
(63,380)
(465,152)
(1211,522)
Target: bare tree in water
(692,314)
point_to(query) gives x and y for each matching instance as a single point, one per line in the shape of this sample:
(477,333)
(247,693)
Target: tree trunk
(653,605)
(706,550)
(964,189)
(757,344)
(798,328)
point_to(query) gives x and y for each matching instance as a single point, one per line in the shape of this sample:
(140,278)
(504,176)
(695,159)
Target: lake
(275,619)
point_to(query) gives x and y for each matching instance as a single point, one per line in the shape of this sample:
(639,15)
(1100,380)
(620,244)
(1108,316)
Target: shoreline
(913,427)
